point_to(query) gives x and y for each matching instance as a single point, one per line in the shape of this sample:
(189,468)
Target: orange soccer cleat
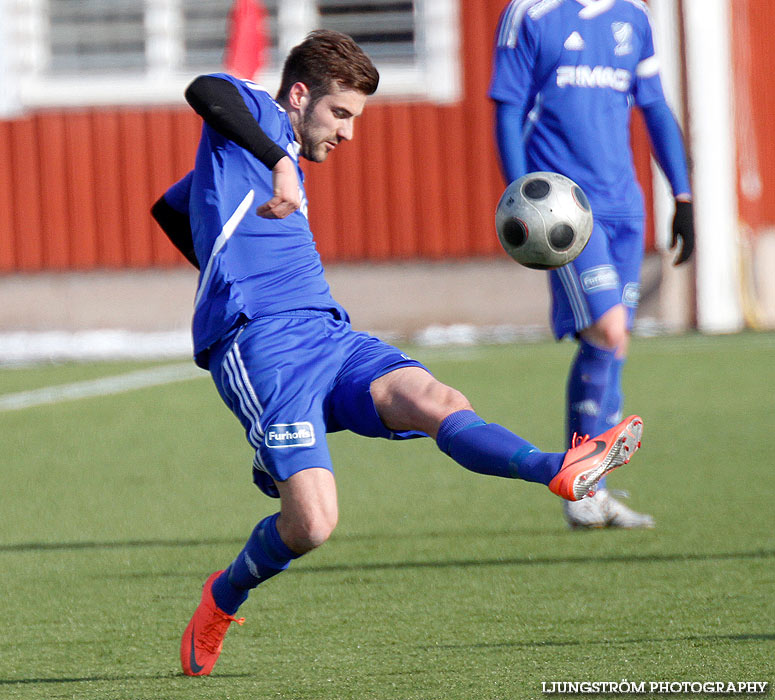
(588,461)
(203,639)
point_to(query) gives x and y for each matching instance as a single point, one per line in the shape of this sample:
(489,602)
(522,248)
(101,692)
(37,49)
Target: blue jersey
(250,266)
(576,68)
(179,195)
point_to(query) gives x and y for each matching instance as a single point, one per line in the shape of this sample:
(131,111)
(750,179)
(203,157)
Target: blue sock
(265,555)
(588,382)
(611,411)
(488,448)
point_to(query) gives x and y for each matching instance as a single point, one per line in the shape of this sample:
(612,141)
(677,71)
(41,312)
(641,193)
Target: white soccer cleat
(585,514)
(602,510)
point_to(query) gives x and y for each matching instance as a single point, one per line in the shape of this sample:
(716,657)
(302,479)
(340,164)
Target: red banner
(247,41)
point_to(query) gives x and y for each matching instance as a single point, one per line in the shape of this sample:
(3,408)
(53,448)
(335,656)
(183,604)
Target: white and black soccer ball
(543,220)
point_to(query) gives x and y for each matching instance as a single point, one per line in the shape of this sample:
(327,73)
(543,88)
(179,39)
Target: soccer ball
(543,220)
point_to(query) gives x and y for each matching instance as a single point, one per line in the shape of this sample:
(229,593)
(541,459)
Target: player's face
(329,121)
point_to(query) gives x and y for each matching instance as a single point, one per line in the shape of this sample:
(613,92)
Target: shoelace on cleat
(211,636)
(577,440)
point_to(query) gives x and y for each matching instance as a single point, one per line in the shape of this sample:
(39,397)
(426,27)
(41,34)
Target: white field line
(103,386)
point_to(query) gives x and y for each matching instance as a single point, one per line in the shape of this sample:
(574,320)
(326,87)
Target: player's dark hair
(327,58)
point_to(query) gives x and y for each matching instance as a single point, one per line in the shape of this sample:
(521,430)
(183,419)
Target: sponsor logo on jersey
(623,35)
(574,42)
(631,294)
(290,435)
(598,77)
(600,278)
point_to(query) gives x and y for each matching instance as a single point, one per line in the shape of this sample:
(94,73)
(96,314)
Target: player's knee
(452,400)
(610,332)
(613,338)
(309,532)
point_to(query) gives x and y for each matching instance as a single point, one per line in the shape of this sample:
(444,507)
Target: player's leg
(381,392)
(292,462)
(627,255)
(595,299)
(586,299)
(587,304)
(409,398)
(603,510)
(308,515)
(593,381)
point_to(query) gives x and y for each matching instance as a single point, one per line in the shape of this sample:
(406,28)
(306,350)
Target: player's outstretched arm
(221,106)
(508,136)
(669,149)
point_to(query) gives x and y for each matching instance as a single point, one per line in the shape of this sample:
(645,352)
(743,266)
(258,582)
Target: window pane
(205,32)
(385,30)
(206,26)
(88,36)
(80,52)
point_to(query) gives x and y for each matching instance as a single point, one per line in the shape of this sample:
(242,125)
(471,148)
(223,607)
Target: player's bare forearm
(287,195)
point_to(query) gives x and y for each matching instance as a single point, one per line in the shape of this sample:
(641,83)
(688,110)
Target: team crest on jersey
(280,435)
(623,35)
(631,294)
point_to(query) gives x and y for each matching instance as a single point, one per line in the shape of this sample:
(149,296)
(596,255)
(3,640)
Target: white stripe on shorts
(578,303)
(240,385)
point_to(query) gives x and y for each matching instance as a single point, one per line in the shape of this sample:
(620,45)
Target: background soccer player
(281,351)
(566,73)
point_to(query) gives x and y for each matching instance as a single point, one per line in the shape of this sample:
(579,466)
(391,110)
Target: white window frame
(435,77)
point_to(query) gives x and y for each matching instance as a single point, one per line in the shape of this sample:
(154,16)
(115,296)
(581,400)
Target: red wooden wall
(76,186)
(418,181)
(753,55)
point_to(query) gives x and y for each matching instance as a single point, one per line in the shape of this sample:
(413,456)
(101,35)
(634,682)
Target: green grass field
(437,584)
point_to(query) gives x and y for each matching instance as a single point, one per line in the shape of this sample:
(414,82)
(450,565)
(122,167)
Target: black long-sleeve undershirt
(222,107)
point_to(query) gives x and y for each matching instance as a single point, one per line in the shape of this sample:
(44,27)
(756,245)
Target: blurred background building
(93,127)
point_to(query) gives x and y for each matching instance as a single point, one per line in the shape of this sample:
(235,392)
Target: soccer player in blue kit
(281,351)
(566,74)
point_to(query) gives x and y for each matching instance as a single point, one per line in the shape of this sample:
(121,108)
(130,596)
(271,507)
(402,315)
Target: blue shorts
(606,273)
(291,378)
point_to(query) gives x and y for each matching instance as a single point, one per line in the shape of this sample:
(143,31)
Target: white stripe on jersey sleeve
(593,8)
(512,21)
(648,67)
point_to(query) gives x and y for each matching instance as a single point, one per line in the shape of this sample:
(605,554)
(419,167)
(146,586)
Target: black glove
(683,231)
